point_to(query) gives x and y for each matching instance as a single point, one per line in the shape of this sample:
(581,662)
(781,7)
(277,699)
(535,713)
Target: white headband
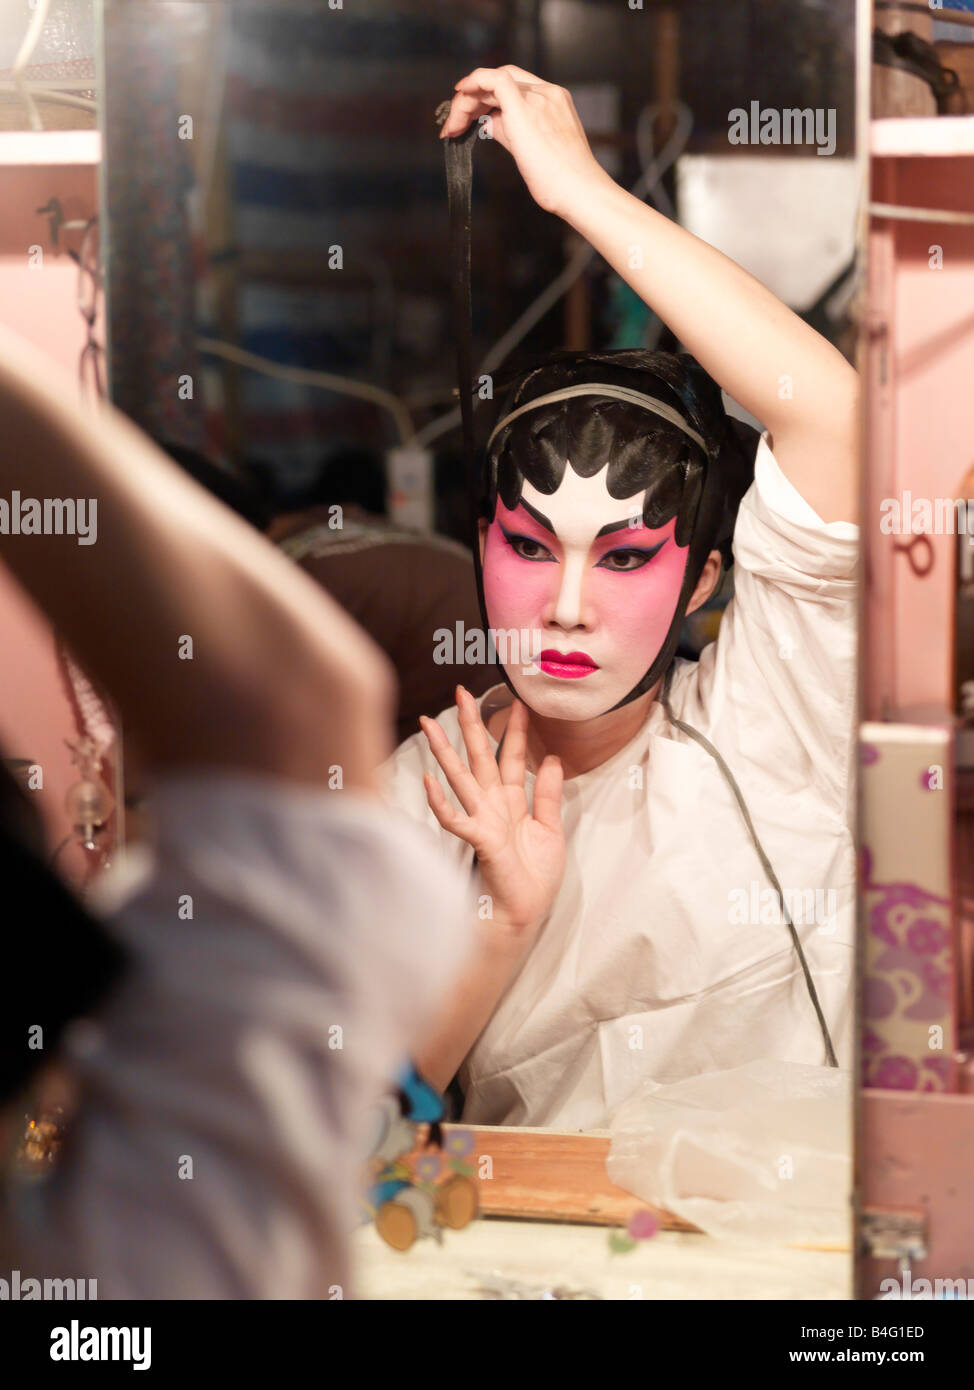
(619,393)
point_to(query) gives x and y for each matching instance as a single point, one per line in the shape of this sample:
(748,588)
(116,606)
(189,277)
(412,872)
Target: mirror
(279,287)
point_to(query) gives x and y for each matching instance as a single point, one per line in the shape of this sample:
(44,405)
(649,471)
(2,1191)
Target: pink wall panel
(39,303)
(917,1154)
(916,1151)
(928,414)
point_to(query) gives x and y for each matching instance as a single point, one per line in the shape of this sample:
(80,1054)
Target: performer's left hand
(537,123)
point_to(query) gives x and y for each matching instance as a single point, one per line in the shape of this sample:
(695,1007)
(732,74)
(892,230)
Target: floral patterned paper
(907,1012)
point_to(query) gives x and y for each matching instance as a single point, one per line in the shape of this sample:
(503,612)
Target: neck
(586,743)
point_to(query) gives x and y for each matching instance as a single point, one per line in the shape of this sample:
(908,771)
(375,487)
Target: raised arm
(215,648)
(777,367)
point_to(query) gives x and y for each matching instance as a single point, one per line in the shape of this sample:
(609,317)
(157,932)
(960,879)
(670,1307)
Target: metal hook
(58,223)
(52,209)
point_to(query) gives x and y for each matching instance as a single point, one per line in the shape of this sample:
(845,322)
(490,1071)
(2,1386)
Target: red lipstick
(567,665)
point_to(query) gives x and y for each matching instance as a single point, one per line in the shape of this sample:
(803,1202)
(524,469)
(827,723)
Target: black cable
(765,861)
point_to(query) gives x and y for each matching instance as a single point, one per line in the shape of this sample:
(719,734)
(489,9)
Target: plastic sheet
(760,1153)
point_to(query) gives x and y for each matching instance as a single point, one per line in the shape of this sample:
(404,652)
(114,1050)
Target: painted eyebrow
(613,526)
(538,516)
(515,534)
(606,530)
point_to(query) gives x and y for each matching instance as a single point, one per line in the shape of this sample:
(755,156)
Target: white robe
(664,954)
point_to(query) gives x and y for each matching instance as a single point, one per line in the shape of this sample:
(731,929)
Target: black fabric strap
(458,153)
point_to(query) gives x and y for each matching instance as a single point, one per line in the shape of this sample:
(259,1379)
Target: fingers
(462,781)
(454,125)
(513,758)
(448,816)
(494,89)
(463,110)
(482,91)
(547,793)
(524,78)
(494,82)
(497,84)
(480,755)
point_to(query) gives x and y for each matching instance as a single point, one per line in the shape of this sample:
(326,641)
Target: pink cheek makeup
(637,607)
(516,591)
(631,611)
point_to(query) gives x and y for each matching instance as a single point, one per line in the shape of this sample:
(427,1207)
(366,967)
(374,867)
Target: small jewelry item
(41,1142)
(88,802)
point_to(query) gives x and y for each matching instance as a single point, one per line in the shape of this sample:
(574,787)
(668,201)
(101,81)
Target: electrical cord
(731,781)
(305,376)
(50,94)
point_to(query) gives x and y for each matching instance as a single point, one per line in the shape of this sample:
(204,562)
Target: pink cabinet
(915,1154)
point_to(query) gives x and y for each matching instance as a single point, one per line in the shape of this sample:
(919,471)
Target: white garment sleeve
(286,947)
(777,691)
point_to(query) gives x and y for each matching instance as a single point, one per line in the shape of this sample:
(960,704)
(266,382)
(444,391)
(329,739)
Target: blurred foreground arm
(249,1037)
(279,681)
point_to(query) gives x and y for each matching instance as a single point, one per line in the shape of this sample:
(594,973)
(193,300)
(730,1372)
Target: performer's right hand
(536,122)
(520,851)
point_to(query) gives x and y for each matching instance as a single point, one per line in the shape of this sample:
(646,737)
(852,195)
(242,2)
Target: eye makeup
(641,554)
(516,538)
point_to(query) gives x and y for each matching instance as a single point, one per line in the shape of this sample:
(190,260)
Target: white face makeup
(594,586)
